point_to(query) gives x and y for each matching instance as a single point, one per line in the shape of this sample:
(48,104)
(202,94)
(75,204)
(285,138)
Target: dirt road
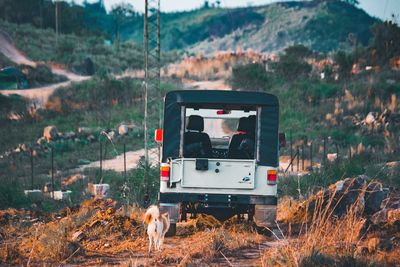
(117,163)
(8,49)
(40,95)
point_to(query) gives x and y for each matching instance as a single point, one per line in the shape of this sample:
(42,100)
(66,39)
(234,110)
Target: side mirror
(282,140)
(158,136)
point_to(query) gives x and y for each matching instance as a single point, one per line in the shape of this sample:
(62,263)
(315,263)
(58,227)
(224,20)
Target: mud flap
(265,215)
(173,211)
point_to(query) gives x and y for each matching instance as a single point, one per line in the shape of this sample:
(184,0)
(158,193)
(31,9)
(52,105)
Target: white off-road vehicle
(219,155)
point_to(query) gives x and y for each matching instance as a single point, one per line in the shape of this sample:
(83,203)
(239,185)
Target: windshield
(220,133)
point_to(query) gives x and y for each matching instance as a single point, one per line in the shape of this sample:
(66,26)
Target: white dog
(157,226)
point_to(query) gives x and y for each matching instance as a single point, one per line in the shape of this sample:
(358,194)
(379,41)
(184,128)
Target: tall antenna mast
(151,61)
(56,18)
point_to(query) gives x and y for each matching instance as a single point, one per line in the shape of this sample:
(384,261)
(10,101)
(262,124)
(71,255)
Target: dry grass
(204,247)
(325,239)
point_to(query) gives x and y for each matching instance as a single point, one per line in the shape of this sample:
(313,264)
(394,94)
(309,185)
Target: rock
(47,188)
(111,135)
(72,179)
(85,131)
(361,250)
(374,195)
(69,135)
(123,129)
(380,217)
(107,245)
(21,148)
(393,216)
(50,133)
(331,156)
(41,141)
(373,244)
(370,119)
(91,138)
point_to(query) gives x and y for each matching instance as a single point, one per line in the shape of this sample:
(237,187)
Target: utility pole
(56,16)
(151,62)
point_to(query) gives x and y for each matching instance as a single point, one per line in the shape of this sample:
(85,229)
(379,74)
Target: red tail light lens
(164,172)
(158,135)
(272,177)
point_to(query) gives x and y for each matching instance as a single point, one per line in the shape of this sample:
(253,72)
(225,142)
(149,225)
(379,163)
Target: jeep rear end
(220,155)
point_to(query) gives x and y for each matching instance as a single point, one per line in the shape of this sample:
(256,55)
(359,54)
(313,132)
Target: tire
(171,231)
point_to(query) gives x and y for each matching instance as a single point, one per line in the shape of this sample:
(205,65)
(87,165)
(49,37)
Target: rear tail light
(272,177)
(158,135)
(164,172)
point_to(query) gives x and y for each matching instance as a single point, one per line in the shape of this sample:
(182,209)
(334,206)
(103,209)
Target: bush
(249,77)
(11,194)
(292,65)
(12,103)
(42,74)
(96,94)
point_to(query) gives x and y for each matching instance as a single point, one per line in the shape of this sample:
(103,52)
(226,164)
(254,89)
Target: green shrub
(249,77)
(293,185)
(11,193)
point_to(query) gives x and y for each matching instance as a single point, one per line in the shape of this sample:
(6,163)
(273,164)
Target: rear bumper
(217,198)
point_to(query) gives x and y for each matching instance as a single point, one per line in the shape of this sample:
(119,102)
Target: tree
(120,13)
(252,76)
(345,62)
(351,2)
(292,64)
(386,43)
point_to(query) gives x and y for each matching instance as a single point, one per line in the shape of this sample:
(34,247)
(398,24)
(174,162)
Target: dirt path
(8,49)
(39,95)
(246,256)
(206,85)
(117,163)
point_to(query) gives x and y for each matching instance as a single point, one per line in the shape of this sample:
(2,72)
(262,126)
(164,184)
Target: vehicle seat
(252,126)
(241,145)
(196,144)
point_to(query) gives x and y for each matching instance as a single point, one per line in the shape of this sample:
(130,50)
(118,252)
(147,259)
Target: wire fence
(306,154)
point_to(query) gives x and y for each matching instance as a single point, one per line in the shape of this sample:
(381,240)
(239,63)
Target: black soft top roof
(267,106)
(232,99)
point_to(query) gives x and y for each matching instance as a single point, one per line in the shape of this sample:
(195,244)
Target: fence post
(337,152)
(302,157)
(291,150)
(298,158)
(311,155)
(101,160)
(324,156)
(31,168)
(52,172)
(349,151)
(124,162)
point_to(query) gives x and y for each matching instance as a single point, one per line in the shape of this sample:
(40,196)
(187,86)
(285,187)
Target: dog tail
(151,213)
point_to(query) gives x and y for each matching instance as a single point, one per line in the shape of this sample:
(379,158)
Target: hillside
(322,26)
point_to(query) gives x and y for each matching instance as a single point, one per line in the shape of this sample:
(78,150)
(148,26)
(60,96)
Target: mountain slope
(322,25)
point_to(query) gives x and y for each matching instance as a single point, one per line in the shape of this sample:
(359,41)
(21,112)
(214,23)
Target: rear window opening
(219,133)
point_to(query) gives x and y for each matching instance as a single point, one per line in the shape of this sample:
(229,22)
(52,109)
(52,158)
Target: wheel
(172,230)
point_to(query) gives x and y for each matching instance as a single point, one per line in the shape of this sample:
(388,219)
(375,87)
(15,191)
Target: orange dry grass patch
(322,234)
(207,244)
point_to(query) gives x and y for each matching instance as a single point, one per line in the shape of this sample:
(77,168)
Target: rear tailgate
(221,173)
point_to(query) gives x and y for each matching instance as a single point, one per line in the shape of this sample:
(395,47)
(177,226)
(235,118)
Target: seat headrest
(195,123)
(243,125)
(252,123)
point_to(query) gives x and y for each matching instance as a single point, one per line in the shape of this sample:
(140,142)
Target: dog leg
(150,244)
(162,240)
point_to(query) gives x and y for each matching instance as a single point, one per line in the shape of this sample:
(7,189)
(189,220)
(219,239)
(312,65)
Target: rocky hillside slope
(323,26)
